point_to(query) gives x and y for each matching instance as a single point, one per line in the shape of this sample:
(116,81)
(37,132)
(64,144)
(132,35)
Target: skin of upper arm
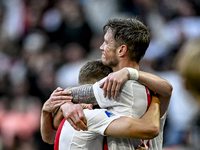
(164,103)
(46,129)
(126,127)
(120,125)
(57,119)
(84,94)
(145,128)
(160,86)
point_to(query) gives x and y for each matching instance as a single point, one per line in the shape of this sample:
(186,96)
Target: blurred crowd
(43,44)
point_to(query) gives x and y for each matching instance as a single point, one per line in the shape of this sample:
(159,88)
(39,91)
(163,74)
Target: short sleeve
(101,100)
(99,119)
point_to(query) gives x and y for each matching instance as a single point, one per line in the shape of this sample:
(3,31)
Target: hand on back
(73,113)
(57,98)
(112,84)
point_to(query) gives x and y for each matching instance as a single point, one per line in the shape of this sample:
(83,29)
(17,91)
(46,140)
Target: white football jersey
(132,101)
(97,122)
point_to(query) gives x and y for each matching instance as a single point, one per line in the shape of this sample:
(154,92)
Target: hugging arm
(56,100)
(84,94)
(58,117)
(158,85)
(74,113)
(47,131)
(145,128)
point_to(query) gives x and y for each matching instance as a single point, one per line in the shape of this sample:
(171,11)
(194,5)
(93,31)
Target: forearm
(46,128)
(145,128)
(132,128)
(83,94)
(151,119)
(158,85)
(155,83)
(57,119)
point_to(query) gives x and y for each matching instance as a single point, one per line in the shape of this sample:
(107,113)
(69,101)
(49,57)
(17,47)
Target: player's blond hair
(92,72)
(188,64)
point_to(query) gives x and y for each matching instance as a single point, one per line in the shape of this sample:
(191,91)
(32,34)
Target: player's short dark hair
(93,71)
(132,33)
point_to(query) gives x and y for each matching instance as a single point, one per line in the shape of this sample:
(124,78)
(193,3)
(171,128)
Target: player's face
(109,50)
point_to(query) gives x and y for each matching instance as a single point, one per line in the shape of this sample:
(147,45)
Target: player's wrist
(45,112)
(133,73)
(45,109)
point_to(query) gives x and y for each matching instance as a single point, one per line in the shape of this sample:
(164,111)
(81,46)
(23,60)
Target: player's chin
(103,59)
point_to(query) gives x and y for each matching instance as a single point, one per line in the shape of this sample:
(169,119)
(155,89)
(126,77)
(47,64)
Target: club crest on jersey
(109,114)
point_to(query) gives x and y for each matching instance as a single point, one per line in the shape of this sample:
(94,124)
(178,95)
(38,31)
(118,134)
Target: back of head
(92,72)
(188,63)
(132,33)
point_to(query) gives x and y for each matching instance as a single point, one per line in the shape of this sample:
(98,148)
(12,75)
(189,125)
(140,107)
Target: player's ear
(122,50)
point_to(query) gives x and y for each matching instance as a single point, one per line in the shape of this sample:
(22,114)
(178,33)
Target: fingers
(90,106)
(116,90)
(87,106)
(57,93)
(74,114)
(59,89)
(111,86)
(81,121)
(78,122)
(61,95)
(63,98)
(113,89)
(60,102)
(57,98)
(72,124)
(105,88)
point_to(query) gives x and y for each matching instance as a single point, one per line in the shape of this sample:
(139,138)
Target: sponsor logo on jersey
(109,114)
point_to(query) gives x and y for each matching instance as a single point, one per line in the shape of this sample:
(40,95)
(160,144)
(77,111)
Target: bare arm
(59,115)
(155,83)
(83,94)
(46,128)
(56,100)
(57,119)
(158,85)
(74,113)
(145,128)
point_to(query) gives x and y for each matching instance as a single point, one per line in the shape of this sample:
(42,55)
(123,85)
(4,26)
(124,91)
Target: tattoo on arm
(84,94)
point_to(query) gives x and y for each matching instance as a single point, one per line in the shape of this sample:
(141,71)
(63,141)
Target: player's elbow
(48,140)
(155,131)
(152,132)
(169,90)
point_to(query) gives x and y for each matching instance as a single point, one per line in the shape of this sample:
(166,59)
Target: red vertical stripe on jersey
(105,145)
(56,144)
(148,97)
(147,144)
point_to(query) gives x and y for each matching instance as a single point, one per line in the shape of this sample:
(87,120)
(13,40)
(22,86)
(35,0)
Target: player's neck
(123,64)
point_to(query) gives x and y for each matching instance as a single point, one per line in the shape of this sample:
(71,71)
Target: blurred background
(43,44)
